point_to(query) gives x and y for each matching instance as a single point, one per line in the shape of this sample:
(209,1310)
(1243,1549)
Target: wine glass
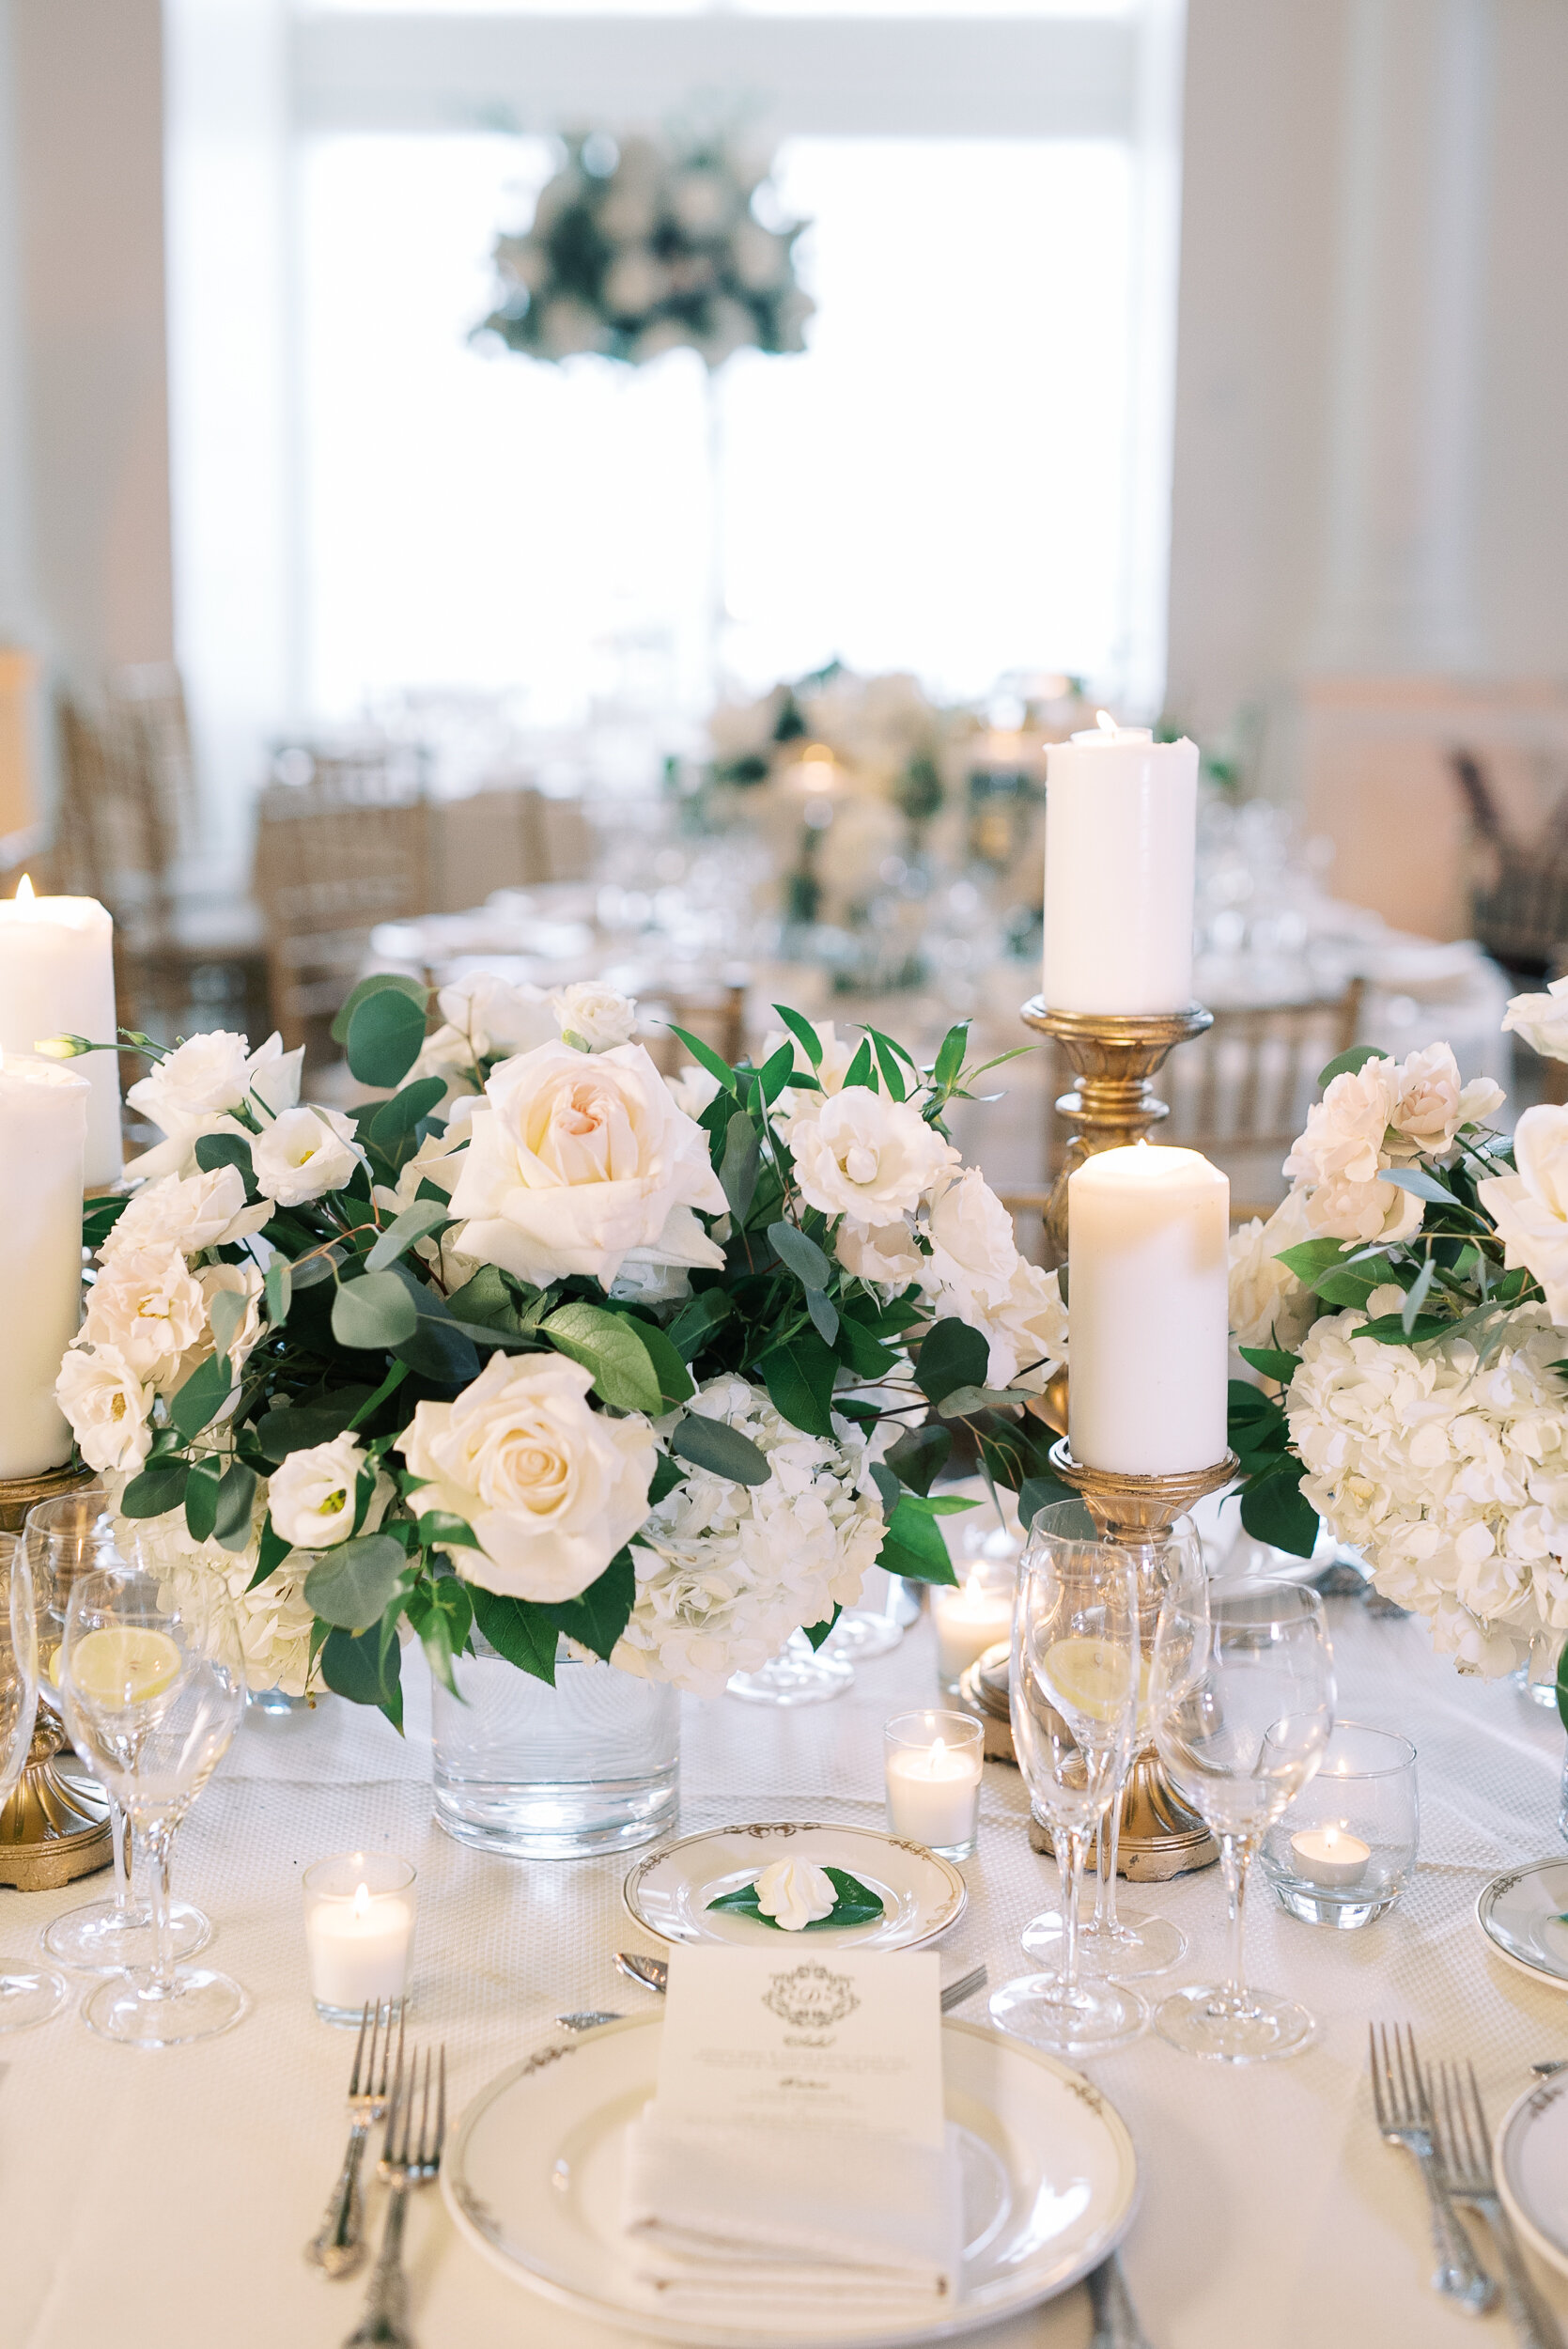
(153,1687)
(1126,1944)
(66,1538)
(1242,1690)
(1074,1687)
(24,1998)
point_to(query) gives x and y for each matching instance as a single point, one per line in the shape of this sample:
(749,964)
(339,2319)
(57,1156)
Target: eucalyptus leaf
(351,1585)
(1419,1184)
(854,1904)
(1346,1064)
(374,1312)
(609,1345)
(804,1258)
(225,1313)
(741,1163)
(416,1223)
(385,1036)
(724,1450)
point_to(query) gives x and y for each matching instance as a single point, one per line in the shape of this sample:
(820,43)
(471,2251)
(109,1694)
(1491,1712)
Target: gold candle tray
(55,1826)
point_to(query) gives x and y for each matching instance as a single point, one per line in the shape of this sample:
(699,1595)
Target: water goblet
(26,1998)
(1074,1687)
(1126,1944)
(153,1688)
(1242,1689)
(64,1538)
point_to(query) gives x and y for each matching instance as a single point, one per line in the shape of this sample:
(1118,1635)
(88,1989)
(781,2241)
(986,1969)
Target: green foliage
(951,1355)
(611,1345)
(919,1457)
(798,1375)
(706,1057)
(366,1668)
(198,1403)
(709,1443)
(516,1629)
(416,1223)
(374,1312)
(385,1036)
(217,1150)
(1346,1064)
(377,984)
(914,1545)
(353,1585)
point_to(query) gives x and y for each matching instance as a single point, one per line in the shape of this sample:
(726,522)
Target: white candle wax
(1330,1857)
(1121,831)
(43,1124)
(359,1948)
(1147,1243)
(969,1619)
(57,978)
(933,1794)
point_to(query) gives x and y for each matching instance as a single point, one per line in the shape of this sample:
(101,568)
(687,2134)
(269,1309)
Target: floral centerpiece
(539,1343)
(1406,1308)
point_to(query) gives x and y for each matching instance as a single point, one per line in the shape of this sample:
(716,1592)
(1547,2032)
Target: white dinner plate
(534,2174)
(1521,1915)
(671,1891)
(1532,2160)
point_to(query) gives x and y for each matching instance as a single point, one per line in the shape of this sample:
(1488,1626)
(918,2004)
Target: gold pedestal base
(55,1826)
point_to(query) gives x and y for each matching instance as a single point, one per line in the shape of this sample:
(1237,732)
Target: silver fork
(1399,2099)
(405,2165)
(1116,2324)
(1465,2155)
(338,2245)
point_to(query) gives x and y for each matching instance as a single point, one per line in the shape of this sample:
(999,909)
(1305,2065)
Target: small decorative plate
(1521,1915)
(1531,2157)
(671,1891)
(532,2179)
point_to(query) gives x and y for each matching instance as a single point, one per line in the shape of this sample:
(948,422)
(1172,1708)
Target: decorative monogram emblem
(811,1997)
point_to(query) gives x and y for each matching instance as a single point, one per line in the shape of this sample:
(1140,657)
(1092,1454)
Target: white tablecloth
(163,2199)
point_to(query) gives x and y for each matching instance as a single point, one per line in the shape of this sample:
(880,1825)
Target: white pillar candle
(1330,1857)
(1147,1244)
(932,1763)
(43,1124)
(57,978)
(1121,831)
(969,1618)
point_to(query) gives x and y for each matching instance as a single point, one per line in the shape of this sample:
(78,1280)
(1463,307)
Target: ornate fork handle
(1458,2274)
(385,2321)
(339,2245)
(1534,2324)
(1116,2324)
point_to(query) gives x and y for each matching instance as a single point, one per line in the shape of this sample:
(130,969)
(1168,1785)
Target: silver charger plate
(1521,1915)
(671,1891)
(532,2179)
(1531,2155)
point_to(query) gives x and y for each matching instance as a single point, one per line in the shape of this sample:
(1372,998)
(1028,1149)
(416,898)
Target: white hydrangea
(274,1619)
(725,1572)
(1447,1465)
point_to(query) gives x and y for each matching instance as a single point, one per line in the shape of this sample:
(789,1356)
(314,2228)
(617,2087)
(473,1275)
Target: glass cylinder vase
(534,1772)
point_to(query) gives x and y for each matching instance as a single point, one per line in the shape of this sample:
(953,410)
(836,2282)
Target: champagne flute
(1126,1944)
(66,1538)
(24,1998)
(153,1687)
(1243,1696)
(1076,1683)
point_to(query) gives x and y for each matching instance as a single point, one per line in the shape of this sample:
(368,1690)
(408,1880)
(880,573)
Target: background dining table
(165,2199)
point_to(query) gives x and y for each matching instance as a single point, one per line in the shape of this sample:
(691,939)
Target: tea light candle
(57,978)
(1329,1857)
(359,1929)
(933,1762)
(970,1617)
(1121,840)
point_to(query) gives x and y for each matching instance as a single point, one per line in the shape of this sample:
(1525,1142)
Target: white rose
(1542,1020)
(1027,1330)
(311,1495)
(1346,1131)
(108,1406)
(1430,1105)
(693,1089)
(863,1156)
(1343,1209)
(601,1015)
(883,1254)
(193,1212)
(972,1244)
(575,1163)
(551,1488)
(485,1017)
(194,1088)
(1531,1208)
(305,1154)
(147,1303)
(1269,1306)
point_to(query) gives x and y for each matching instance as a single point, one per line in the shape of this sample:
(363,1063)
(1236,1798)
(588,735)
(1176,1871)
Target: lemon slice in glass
(1090,1677)
(124,1665)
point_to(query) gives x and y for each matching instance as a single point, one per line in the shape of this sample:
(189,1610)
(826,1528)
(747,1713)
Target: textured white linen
(161,2201)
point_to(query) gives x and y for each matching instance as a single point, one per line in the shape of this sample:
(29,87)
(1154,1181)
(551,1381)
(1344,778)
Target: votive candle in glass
(932,1763)
(359,1931)
(1346,1847)
(970,1617)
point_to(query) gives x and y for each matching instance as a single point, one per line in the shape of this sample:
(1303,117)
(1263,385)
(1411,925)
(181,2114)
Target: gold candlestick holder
(55,1826)
(1115,1056)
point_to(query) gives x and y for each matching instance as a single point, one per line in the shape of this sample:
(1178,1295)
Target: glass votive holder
(1346,1847)
(973,1614)
(932,1763)
(359,1931)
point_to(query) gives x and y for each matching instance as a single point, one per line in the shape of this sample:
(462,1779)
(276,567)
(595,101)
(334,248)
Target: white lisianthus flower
(1430,1105)
(601,1015)
(311,1493)
(863,1156)
(693,1089)
(438,1162)
(1269,1306)
(1343,1141)
(725,1572)
(1447,1467)
(883,1254)
(551,1488)
(1529,1209)
(237,1280)
(837,1054)
(1542,1020)
(303,1154)
(147,1305)
(193,1212)
(484,1018)
(194,1089)
(109,1408)
(577,1162)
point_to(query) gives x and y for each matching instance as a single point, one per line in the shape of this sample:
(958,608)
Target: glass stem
(1072,1850)
(1235,1859)
(1110,1840)
(119,1832)
(157,1844)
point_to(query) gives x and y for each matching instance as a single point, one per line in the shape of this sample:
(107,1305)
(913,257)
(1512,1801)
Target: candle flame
(361,1901)
(25,891)
(935,1757)
(1106,722)
(1331,1838)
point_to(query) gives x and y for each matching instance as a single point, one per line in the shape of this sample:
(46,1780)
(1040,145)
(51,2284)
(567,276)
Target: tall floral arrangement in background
(541,1345)
(640,245)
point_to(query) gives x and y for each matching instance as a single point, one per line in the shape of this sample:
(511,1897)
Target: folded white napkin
(829,2215)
